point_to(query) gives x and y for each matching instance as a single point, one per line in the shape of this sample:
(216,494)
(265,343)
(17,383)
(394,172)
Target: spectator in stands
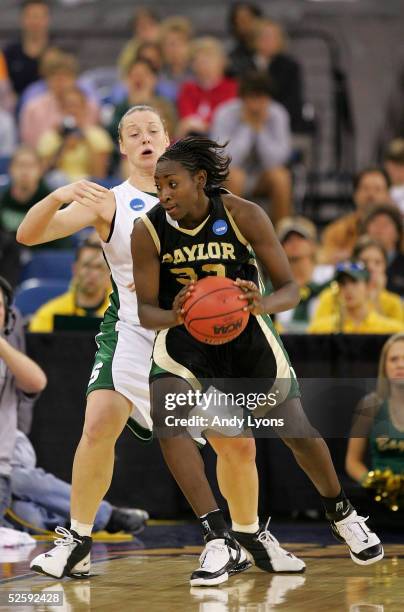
(284,71)
(371,186)
(151,51)
(372,254)
(145,29)
(22,379)
(74,149)
(88,294)
(394,165)
(141,82)
(175,41)
(385,224)
(379,425)
(199,98)
(7,96)
(23,56)
(39,87)
(25,189)
(243,18)
(298,236)
(258,135)
(353,313)
(45,111)
(43,500)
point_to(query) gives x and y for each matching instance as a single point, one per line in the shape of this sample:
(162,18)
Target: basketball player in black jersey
(196,230)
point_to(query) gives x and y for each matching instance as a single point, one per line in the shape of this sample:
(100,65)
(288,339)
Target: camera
(69,127)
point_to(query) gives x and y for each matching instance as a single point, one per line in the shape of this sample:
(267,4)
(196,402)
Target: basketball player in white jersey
(118,387)
(118,391)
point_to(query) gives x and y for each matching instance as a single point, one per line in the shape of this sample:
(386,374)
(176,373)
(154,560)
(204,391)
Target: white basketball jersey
(130,204)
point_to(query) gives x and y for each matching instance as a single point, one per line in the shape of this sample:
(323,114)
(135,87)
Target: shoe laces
(68,538)
(354,525)
(269,541)
(211,548)
(266,537)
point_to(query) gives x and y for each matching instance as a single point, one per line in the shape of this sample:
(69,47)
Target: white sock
(82,529)
(252,528)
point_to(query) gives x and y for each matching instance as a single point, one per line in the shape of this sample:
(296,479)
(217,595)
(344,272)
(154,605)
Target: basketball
(213,313)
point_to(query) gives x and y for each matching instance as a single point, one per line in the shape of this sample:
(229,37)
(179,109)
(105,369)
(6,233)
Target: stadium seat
(49,264)
(4,164)
(79,237)
(32,293)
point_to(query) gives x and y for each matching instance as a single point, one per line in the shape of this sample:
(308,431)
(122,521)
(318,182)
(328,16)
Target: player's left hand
(253,295)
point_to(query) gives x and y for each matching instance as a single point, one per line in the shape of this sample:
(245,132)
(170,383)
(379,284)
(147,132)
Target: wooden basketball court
(130,576)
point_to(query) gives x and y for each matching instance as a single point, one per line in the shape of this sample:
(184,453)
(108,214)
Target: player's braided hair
(200,153)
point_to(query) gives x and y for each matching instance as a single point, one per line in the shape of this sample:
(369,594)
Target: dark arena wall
(141,477)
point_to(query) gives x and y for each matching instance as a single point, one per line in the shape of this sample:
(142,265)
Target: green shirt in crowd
(13,211)
(386,443)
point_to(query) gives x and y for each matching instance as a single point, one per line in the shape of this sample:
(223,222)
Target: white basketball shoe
(69,557)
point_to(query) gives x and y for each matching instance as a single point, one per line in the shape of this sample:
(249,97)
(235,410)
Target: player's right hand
(84,192)
(179,300)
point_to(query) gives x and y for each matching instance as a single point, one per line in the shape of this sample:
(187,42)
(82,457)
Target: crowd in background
(58,126)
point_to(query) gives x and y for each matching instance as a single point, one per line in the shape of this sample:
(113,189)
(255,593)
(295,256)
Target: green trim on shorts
(101,374)
(106,339)
(266,318)
(270,324)
(155,370)
(141,433)
(294,387)
(111,313)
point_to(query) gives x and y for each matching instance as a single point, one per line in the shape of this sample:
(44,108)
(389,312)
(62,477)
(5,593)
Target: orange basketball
(213,313)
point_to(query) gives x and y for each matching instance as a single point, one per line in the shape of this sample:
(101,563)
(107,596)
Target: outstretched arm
(257,229)
(146,274)
(91,205)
